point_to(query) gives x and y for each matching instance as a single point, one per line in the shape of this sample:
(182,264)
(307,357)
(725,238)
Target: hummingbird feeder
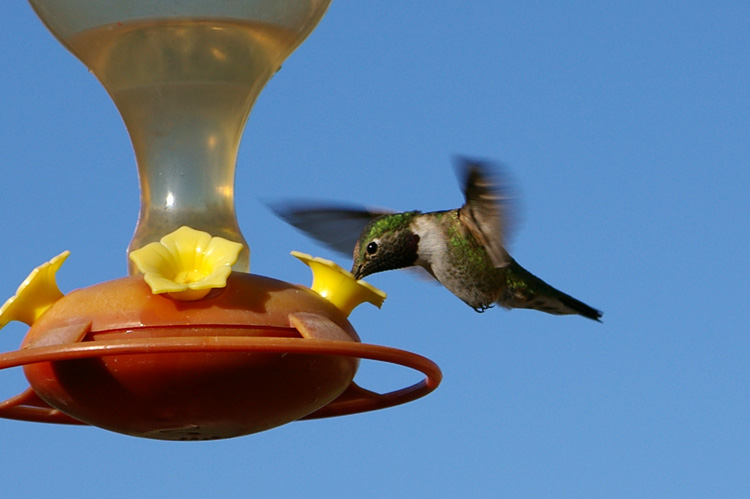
(190,345)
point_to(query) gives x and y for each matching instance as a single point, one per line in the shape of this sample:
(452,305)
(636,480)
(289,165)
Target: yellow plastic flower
(36,293)
(187,263)
(338,285)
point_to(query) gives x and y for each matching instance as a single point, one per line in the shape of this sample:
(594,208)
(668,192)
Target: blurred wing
(486,212)
(337,226)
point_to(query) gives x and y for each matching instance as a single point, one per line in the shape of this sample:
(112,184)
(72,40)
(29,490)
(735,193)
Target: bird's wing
(486,212)
(337,226)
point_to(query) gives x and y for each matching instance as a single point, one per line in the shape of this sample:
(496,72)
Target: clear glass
(184,75)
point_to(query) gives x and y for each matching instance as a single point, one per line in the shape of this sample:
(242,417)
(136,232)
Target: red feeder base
(257,354)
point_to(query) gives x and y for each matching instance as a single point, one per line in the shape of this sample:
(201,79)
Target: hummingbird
(464,249)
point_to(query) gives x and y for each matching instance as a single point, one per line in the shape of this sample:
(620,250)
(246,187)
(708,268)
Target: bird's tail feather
(525,290)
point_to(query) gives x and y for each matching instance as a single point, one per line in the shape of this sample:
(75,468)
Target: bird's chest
(459,262)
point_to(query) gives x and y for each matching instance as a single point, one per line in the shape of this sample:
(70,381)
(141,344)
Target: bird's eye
(372,248)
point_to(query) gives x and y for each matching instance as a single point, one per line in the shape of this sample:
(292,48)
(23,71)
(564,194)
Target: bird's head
(387,243)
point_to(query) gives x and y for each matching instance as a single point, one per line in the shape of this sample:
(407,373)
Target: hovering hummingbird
(464,249)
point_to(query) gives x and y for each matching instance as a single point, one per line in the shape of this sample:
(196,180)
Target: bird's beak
(357,271)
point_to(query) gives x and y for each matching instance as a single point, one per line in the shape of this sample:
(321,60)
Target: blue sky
(625,128)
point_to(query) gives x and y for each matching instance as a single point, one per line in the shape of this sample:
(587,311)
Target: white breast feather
(431,247)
